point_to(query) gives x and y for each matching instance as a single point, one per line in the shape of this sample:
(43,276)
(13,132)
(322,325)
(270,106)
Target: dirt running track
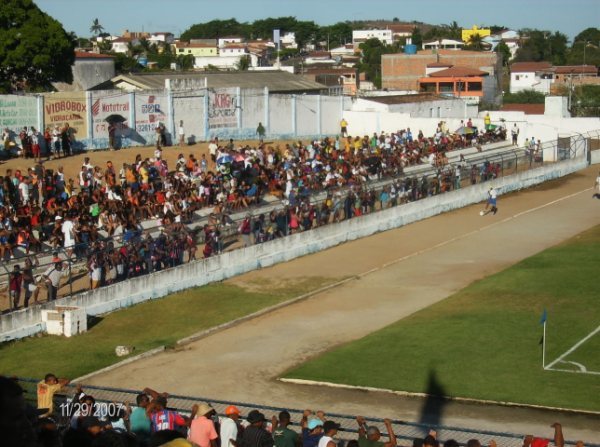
(398,272)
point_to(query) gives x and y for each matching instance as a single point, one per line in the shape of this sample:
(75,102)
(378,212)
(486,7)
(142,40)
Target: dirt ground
(397,273)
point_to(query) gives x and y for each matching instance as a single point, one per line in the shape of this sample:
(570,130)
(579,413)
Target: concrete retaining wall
(127,293)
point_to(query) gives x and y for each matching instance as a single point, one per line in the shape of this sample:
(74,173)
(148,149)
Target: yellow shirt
(45,395)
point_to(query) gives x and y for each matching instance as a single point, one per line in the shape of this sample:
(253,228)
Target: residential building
(121,44)
(467,34)
(89,70)
(400,30)
(135,35)
(197,49)
(536,76)
(288,40)
(224,41)
(360,36)
(403,71)
(161,38)
(458,82)
(443,44)
(343,78)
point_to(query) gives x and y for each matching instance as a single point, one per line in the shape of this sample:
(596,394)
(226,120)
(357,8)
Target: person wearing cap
(282,435)
(330,429)
(202,429)
(312,429)
(230,429)
(370,436)
(255,434)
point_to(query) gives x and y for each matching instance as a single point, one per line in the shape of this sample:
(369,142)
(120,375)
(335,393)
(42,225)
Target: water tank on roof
(410,49)
(143,61)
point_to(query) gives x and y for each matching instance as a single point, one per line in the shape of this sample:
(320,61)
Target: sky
(567,16)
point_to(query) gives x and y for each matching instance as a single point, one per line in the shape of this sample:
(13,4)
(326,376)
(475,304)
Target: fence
(205,113)
(416,183)
(405,431)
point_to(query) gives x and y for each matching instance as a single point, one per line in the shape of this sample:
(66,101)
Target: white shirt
(228,432)
(67,229)
(493,193)
(324,441)
(24,188)
(181,131)
(212,148)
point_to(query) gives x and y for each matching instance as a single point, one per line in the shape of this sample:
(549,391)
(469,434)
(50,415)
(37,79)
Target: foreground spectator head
(451,443)
(373,433)
(205,410)
(15,427)
(232,412)
(473,443)
(330,428)
(315,425)
(142,400)
(430,441)
(255,417)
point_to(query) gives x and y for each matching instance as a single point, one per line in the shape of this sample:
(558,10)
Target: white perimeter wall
(538,126)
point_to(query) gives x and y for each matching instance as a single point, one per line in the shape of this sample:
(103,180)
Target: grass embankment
(144,326)
(483,342)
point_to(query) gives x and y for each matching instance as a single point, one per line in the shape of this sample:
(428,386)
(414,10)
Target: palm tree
(96,28)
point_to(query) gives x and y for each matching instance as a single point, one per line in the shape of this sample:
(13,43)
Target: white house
(288,40)
(224,41)
(444,44)
(161,38)
(360,36)
(536,76)
(121,44)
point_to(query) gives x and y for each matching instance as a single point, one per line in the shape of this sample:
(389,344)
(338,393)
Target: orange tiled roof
(528,67)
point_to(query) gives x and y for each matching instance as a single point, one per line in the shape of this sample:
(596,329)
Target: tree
(524,97)
(243,64)
(504,52)
(475,43)
(370,64)
(540,45)
(96,28)
(125,64)
(186,61)
(416,37)
(35,50)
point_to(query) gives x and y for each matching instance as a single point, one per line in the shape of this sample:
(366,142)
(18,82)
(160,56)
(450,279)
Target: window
(475,86)
(517,77)
(181,50)
(446,87)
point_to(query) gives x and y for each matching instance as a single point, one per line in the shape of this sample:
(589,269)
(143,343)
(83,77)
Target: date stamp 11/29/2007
(98,409)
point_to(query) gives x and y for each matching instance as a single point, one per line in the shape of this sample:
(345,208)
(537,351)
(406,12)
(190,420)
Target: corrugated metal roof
(529,67)
(458,72)
(276,81)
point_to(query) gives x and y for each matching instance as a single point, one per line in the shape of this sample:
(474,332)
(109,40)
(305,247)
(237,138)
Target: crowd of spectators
(80,421)
(97,216)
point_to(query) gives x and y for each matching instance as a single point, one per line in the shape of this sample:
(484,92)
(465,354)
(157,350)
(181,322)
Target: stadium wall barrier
(595,157)
(28,322)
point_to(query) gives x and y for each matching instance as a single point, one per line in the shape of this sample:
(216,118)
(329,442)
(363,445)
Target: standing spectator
(312,430)
(29,281)
(15,283)
(164,419)
(515,134)
(202,429)
(55,142)
(255,434)
(370,436)
(230,429)
(52,278)
(344,128)
(68,231)
(45,393)
(282,435)
(65,137)
(245,229)
(181,132)
(260,130)
(139,422)
(35,144)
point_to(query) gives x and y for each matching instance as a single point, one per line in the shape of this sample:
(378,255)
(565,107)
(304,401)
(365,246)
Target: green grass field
(145,326)
(483,342)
